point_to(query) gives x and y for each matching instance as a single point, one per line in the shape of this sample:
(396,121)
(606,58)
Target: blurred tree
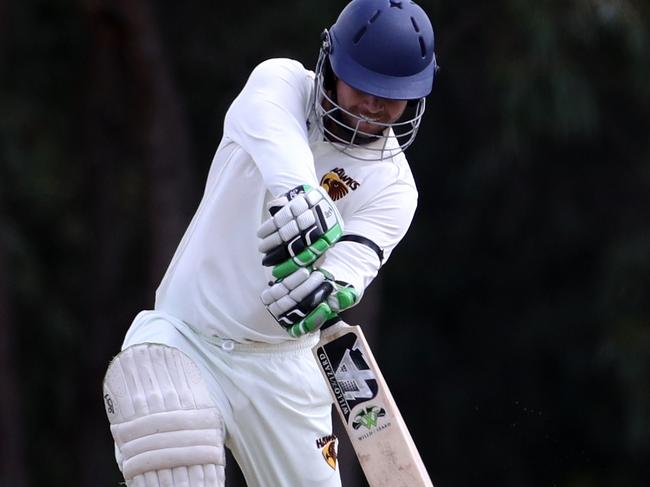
(12,431)
(538,174)
(513,319)
(133,108)
(13,469)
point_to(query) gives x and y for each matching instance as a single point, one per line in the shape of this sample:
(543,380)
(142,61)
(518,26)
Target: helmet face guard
(392,139)
(383,48)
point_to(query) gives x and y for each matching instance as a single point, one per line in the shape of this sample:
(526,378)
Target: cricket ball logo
(368,417)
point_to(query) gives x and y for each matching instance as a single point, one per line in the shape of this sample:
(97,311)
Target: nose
(372,104)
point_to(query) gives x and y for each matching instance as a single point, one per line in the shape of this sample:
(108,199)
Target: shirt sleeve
(385,219)
(268,120)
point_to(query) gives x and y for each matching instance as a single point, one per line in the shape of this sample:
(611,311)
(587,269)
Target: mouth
(370,118)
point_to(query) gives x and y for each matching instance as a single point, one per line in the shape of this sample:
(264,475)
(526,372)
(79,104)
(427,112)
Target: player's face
(367,106)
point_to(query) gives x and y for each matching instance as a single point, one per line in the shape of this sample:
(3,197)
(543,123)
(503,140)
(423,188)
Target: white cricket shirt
(270,146)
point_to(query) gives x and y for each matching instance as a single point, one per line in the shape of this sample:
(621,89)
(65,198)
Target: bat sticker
(347,372)
(368,417)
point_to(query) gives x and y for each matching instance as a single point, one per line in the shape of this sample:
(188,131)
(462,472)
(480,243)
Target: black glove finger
(307,305)
(295,247)
(304,240)
(276,256)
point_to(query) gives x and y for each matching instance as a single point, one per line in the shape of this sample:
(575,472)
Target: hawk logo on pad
(329,447)
(338,184)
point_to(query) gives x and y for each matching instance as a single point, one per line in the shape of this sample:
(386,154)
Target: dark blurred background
(512,323)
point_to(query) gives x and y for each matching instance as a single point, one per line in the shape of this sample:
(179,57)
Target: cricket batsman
(308,194)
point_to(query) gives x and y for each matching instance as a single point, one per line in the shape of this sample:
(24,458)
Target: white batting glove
(304,223)
(303,301)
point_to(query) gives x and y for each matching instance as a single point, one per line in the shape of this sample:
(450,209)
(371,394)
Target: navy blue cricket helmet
(385,48)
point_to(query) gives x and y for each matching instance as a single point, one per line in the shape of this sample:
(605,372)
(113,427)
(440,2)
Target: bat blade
(377,431)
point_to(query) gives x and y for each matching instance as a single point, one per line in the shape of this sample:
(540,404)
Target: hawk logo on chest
(338,184)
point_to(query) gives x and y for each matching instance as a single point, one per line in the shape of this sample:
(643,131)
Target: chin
(370,129)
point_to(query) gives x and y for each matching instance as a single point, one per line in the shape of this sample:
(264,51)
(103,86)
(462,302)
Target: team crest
(334,186)
(329,447)
(338,184)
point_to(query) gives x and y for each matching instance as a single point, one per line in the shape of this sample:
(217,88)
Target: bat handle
(331,322)
(332,326)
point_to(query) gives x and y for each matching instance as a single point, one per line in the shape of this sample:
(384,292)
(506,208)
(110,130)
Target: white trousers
(275,404)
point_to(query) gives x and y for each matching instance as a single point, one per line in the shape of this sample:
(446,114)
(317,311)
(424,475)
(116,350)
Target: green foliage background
(513,321)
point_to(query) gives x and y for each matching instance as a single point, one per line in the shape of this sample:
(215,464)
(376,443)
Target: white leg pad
(167,429)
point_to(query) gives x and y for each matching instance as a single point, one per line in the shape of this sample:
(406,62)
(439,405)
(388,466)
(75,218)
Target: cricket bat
(377,431)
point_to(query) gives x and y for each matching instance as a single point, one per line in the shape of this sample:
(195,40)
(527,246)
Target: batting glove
(304,224)
(303,301)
